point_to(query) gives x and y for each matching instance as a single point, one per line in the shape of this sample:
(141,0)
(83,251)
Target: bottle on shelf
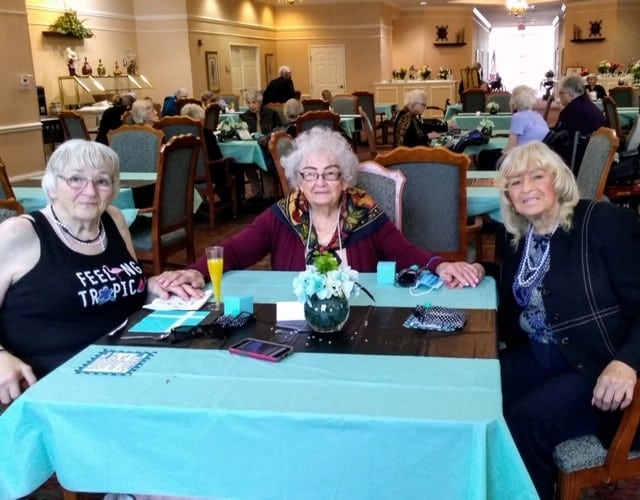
(101,69)
(86,68)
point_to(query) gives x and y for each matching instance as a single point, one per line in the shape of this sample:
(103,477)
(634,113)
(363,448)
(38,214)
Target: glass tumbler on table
(215,264)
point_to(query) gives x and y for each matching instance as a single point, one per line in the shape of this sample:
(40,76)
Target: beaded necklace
(533,266)
(66,231)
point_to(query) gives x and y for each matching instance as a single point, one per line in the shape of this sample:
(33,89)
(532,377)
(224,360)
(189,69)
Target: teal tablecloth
(209,424)
(483,200)
(470,121)
(627,115)
(387,108)
(267,287)
(248,152)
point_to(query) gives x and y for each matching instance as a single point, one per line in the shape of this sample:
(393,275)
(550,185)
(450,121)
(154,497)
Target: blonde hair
(533,156)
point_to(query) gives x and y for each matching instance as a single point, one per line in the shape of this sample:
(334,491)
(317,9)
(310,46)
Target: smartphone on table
(261,349)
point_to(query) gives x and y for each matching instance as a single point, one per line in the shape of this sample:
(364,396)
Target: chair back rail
(611,114)
(596,163)
(385,186)
(10,207)
(6,191)
(171,228)
(312,119)
(622,95)
(73,126)
(315,105)
(434,199)
(212,116)
(137,146)
(368,132)
(280,143)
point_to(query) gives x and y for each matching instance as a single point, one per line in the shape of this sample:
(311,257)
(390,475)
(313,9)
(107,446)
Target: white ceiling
(541,12)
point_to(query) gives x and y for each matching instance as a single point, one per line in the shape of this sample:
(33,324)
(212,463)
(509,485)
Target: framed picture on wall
(213,71)
(572,70)
(269,70)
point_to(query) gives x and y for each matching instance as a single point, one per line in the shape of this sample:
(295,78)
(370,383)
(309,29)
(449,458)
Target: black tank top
(69,300)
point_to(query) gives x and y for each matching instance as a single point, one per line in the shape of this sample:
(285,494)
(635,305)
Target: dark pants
(543,407)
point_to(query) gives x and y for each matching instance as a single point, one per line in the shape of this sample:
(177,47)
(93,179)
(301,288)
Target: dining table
(387,109)
(627,115)
(203,422)
(471,121)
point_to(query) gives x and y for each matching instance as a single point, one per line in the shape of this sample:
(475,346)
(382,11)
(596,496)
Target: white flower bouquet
(325,279)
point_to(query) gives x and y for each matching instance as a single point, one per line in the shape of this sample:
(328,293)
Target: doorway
(327,70)
(245,69)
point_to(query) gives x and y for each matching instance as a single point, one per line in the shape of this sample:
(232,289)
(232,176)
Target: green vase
(326,315)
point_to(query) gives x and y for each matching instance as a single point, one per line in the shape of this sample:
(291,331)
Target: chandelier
(517,8)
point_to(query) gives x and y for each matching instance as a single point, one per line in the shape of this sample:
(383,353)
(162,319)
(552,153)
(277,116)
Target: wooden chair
(345,104)
(312,119)
(366,101)
(231,99)
(612,119)
(172,126)
(10,207)
(6,191)
(434,200)
(73,126)
(212,116)
(170,228)
(596,163)
(279,108)
(385,186)
(186,100)
(583,461)
(473,100)
(368,132)
(547,109)
(315,105)
(622,95)
(502,98)
(138,147)
(280,143)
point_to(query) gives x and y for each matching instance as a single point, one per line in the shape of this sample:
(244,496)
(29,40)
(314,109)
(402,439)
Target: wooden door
(327,70)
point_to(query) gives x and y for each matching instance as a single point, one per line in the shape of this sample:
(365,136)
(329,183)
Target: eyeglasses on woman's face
(330,174)
(80,182)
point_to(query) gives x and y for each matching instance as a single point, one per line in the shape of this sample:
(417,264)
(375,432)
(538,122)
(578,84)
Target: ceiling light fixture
(517,8)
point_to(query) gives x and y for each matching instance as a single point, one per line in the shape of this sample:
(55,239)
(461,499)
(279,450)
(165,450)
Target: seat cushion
(582,452)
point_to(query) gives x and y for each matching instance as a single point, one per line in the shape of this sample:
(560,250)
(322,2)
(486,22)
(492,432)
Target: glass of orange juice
(215,265)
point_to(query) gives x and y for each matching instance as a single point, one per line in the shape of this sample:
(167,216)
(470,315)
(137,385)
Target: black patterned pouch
(436,318)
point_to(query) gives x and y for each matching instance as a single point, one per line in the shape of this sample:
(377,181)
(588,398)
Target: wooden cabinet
(438,91)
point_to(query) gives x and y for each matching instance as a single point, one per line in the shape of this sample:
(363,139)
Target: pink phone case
(280,351)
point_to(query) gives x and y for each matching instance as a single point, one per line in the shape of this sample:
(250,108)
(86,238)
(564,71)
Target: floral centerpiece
(443,73)
(493,107)
(325,289)
(228,126)
(485,126)
(400,73)
(604,67)
(69,24)
(425,72)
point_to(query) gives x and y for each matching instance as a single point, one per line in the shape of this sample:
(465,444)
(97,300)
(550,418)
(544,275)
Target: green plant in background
(69,24)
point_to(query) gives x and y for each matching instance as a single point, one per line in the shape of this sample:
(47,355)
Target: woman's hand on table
(614,387)
(15,377)
(460,274)
(185,283)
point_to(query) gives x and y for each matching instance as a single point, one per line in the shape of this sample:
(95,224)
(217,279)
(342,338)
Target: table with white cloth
(471,121)
(209,424)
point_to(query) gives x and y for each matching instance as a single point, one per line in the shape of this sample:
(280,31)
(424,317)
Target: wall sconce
(199,42)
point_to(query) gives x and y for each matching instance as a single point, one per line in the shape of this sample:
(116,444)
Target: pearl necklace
(529,275)
(67,232)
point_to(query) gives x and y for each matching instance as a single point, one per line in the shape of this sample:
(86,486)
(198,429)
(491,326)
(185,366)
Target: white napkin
(175,303)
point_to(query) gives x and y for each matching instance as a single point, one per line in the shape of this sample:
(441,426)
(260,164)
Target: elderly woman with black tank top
(69,272)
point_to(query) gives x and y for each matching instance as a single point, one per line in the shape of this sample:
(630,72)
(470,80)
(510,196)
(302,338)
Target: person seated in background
(143,112)
(280,89)
(325,212)
(496,83)
(526,125)
(170,106)
(208,97)
(593,86)
(409,128)
(327,97)
(570,362)
(292,109)
(112,117)
(261,121)
(579,115)
(192,110)
(69,274)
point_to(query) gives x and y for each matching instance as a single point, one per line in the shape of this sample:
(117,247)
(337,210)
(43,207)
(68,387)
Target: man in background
(279,89)
(169,105)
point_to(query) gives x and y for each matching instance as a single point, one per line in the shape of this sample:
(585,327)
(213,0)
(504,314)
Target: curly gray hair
(321,140)
(523,98)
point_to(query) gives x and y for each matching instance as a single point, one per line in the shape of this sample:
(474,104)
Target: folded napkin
(175,303)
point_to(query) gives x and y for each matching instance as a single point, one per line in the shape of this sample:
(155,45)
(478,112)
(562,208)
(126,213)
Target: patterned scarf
(359,217)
